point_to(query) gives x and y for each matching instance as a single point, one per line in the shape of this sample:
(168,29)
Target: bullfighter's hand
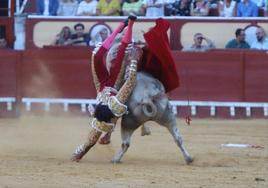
(135,54)
(129,48)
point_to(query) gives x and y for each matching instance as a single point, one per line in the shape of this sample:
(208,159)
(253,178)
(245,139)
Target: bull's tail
(149,108)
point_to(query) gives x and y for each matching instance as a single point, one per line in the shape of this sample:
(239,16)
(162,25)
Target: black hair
(238,32)
(103,113)
(79,25)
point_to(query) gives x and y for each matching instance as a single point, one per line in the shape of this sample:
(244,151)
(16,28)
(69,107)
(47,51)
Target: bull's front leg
(126,137)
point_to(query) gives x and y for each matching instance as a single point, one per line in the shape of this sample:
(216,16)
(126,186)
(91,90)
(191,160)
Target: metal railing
(20,7)
(9,102)
(177,104)
(194,105)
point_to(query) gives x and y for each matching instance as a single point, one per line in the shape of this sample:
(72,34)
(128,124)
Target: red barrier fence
(9,60)
(256,85)
(8,73)
(57,72)
(215,76)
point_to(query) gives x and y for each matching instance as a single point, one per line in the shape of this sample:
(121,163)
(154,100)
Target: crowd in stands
(93,37)
(155,8)
(239,42)
(80,37)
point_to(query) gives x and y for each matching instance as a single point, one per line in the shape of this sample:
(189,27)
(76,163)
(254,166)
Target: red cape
(157,59)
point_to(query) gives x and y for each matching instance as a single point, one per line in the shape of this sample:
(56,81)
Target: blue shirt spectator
(246,8)
(239,41)
(53,6)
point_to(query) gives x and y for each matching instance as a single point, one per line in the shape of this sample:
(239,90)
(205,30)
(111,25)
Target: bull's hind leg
(128,125)
(178,139)
(169,121)
(126,137)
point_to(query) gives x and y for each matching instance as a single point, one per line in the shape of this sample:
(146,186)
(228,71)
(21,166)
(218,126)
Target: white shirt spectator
(154,8)
(87,8)
(261,42)
(67,8)
(263,45)
(227,11)
(46,7)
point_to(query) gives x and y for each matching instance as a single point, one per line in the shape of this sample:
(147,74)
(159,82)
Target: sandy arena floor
(35,152)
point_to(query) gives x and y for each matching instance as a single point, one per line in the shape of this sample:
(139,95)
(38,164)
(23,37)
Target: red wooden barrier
(8,81)
(215,76)
(256,76)
(8,74)
(58,72)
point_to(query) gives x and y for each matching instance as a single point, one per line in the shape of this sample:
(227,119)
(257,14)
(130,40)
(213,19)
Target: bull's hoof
(115,161)
(189,160)
(106,139)
(145,131)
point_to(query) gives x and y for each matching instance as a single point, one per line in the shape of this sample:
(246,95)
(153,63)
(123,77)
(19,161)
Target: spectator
(213,3)
(200,8)
(47,7)
(80,38)
(153,8)
(261,42)
(247,8)
(132,7)
(64,37)
(67,8)
(259,3)
(87,8)
(108,8)
(197,46)
(98,35)
(3,43)
(180,8)
(239,41)
(227,8)
(266,8)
